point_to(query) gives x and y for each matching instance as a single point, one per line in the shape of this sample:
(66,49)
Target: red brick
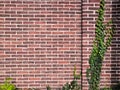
(94,0)
(41,40)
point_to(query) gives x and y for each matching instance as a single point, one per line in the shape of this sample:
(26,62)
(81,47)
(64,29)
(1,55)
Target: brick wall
(88,28)
(42,40)
(110,71)
(115,53)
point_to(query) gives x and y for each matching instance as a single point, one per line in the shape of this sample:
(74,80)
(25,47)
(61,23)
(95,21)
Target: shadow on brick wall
(115,61)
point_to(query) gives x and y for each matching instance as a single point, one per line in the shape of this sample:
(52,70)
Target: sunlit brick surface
(40,41)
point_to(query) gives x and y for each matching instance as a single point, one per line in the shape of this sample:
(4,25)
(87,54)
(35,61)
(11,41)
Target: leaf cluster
(103,38)
(73,85)
(7,85)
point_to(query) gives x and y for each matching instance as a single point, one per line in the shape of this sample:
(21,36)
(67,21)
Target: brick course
(42,40)
(110,69)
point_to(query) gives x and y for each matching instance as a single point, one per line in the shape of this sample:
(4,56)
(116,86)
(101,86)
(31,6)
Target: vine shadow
(115,50)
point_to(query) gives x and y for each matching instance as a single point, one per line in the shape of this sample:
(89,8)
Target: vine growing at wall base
(103,38)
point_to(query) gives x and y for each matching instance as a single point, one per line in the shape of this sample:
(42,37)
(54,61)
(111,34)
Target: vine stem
(103,37)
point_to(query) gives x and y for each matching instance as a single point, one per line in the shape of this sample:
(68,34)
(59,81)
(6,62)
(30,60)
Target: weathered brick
(41,41)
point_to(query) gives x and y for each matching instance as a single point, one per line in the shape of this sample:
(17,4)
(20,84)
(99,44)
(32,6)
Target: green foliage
(7,85)
(73,85)
(103,37)
(116,86)
(76,76)
(106,89)
(48,87)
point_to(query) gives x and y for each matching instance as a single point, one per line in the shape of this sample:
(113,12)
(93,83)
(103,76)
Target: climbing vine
(103,37)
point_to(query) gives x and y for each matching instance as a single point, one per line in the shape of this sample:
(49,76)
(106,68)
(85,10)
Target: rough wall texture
(110,73)
(40,41)
(115,50)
